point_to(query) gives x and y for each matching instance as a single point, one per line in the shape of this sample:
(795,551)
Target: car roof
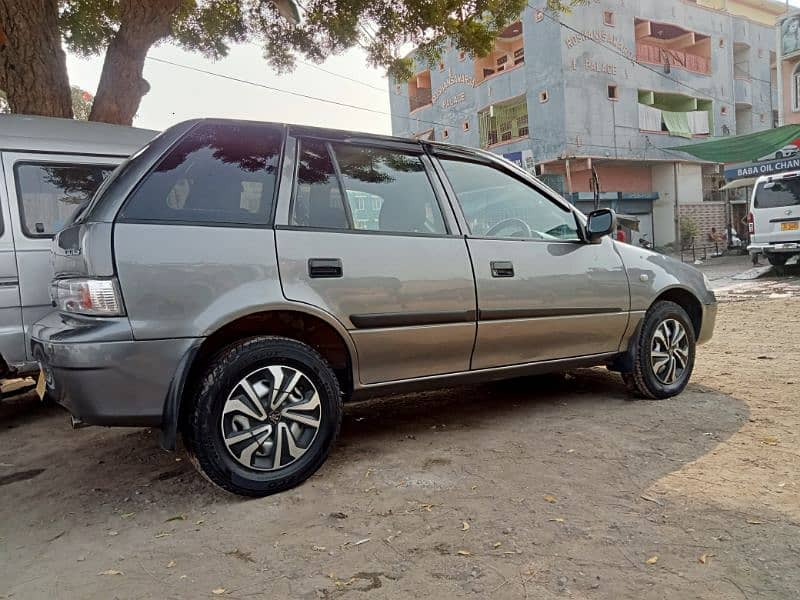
(777,177)
(48,134)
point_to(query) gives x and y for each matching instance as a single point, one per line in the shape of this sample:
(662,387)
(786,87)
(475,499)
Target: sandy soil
(549,487)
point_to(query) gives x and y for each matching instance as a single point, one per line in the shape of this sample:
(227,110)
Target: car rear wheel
(266,415)
(777,260)
(664,353)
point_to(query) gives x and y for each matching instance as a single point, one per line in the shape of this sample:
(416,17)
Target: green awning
(743,148)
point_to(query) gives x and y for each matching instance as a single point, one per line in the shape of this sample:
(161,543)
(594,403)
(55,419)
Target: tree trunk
(33,65)
(142,24)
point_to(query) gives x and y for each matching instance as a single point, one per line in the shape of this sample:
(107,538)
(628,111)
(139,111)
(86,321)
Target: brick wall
(706,215)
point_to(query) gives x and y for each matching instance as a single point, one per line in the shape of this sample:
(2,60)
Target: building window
(612,92)
(445,134)
(462,55)
(441,65)
(539,16)
(544,96)
(796,88)
(397,88)
(760,53)
(466,125)
(723,110)
(763,117)
(508,52)
(503,122)
(608,18)
(419,91)
(675,114)
(672,47)
(721,42)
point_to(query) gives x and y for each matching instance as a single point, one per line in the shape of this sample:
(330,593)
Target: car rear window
(784,192)
(218,174)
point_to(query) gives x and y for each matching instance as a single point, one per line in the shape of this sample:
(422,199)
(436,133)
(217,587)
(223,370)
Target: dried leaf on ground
(162,534)
(497,544)
(464,553)
(754,522)
(111,572)
(176,518)
(557,520)
(550,499)
(316,548)
(127,515)
(219,591)
(652,560)
(703,558)
(770,440)
(113,532)
(464,526)
(364,541)
(171,564)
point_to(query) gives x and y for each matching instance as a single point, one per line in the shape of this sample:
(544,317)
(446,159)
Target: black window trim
(427,165)
(269,214)
(38,163)
(469,157)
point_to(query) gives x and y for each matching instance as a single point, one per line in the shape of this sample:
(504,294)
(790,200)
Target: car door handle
(502,268)
(319,268)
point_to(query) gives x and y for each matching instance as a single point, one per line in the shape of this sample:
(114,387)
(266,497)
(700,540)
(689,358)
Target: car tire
(266,412)
(777,260)
(663,354)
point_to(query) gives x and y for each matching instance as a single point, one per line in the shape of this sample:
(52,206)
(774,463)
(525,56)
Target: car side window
(219,173)
(386,190)
(497,205)
(50,194)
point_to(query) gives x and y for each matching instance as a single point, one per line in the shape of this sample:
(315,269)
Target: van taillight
(750,227)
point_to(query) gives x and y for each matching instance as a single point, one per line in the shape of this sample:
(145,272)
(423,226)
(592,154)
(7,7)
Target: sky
(177,94)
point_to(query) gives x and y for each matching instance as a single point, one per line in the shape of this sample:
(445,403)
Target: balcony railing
(656,55)
(420,99)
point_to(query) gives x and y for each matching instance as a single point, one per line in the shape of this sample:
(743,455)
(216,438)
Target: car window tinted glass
(495,204)
(318,197)
(218,173)
(778,193)
(388,190)
(49,195)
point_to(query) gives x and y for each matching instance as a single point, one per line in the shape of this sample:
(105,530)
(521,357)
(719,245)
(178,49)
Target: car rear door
(364,235)
(543,293)
(44,191)
(776,211)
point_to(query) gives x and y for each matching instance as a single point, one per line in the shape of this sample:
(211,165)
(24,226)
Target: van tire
(642,381)
(221,384)
(777,260)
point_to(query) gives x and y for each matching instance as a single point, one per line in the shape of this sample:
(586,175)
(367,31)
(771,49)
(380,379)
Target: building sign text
(762,168)
(600,35)
(452,80)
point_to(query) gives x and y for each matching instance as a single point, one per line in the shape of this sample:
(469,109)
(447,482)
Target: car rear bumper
(106,382)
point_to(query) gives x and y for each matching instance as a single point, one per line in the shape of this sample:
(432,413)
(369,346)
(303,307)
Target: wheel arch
(315,328)
(688,301)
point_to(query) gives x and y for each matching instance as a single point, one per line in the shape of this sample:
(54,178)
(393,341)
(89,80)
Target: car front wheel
(664,353)
(265,417)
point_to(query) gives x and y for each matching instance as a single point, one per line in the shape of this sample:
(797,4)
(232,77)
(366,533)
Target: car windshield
(776,194)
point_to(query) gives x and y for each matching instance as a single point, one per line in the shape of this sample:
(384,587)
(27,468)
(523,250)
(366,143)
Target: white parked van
(49,169)
(774,219)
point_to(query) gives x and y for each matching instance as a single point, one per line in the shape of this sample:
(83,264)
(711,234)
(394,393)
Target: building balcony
(419,100)
(741,31)
(677,59)
(743,91)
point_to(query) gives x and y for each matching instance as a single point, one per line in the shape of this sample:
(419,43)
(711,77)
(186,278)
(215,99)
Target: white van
(774,219)
(49,169)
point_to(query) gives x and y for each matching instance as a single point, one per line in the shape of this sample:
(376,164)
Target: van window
(50,194)
(784,192)
(219,173)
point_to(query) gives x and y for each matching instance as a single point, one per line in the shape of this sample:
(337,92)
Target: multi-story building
(613,86)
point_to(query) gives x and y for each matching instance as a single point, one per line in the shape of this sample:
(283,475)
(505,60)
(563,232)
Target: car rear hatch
(776,210)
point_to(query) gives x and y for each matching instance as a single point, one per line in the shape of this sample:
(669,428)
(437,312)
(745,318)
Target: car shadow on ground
(535,419)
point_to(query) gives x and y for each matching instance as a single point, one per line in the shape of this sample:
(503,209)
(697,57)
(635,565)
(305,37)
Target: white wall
(690,191)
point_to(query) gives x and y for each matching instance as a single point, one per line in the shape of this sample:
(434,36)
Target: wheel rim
(271,418)
(669,351)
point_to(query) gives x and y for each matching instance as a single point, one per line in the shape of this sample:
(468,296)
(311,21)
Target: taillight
(86,296)
(750,226)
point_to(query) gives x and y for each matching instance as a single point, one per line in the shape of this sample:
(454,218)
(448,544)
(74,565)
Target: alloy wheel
(271,418)
(669,351)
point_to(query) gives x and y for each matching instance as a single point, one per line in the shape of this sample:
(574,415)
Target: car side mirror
(600,223)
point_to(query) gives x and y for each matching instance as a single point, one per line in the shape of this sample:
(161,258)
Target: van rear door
(12,342)
(44,191)
(776,211)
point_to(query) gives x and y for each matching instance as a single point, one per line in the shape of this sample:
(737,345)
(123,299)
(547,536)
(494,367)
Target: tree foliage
(125,30)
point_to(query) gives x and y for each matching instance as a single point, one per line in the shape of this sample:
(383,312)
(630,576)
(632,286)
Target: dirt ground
(547,487)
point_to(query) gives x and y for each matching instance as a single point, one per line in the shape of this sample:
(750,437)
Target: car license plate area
(790,226)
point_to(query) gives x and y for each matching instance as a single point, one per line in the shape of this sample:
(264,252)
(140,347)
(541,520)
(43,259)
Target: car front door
(365,237)
(543,293)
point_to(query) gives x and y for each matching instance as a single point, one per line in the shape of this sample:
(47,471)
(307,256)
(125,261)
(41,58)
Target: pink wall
(789,116)
(615,179)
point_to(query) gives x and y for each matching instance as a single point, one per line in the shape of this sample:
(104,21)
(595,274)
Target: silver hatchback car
(235,282)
